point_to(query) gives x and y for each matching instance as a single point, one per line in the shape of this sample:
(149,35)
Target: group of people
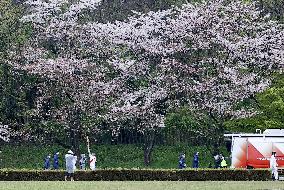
(82,161)
(220,162)
(55,161)
(70,162)
(219,159)
(182,164)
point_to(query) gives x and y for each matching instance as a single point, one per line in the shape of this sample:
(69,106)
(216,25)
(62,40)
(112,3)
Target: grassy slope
(157,185)
(108,156)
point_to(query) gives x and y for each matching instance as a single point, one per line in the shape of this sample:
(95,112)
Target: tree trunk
(149,139)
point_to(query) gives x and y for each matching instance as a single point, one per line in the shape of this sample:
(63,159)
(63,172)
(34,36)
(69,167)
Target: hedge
(139,175)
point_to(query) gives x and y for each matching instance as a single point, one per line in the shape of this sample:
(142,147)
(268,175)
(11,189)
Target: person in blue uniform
(47,162)
(196,160)
(181,161)
(56,161)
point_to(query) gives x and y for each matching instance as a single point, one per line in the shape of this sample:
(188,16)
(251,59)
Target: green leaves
(108,156)
(140,175)
(270,105)
(274,7)
(13,33)
(182,119)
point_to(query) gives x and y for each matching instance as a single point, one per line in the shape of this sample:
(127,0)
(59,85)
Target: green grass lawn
(137,185)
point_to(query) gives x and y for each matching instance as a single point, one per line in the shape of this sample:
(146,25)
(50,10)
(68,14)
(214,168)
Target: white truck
(254,150)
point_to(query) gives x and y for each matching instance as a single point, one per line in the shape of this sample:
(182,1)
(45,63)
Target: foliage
(108,156)
(13,33)
(132,72)
(182,118)
(209,60)
(16,90)
(140,175)
(270,106)
(111,11)
(17,100)
(273,7)
(198,126)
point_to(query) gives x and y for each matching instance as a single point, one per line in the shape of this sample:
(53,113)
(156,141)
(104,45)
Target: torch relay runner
(273,166)
(92,156)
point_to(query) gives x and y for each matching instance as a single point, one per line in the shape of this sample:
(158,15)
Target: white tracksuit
(93,161)
(273,166)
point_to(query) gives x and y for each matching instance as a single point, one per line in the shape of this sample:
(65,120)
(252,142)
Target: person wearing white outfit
(92,156)
(93,160)
(273,166)
(70,165)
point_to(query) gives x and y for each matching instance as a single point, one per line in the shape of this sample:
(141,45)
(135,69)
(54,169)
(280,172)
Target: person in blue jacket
(47,162)
(196,160)
(181,161)
(56,161)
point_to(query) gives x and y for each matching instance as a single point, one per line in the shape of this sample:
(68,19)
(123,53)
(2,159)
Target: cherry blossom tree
(209,56)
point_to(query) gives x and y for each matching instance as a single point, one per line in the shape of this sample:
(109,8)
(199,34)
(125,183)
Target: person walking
(181,161)
(56,161)
(47,162)
(196,160)
(217,160)
(92,156)
(273,166)
(70,159)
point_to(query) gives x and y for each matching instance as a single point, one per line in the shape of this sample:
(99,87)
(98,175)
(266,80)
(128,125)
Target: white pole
(88,145)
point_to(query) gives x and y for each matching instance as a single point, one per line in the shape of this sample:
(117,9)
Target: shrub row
(30,156)
(139,175)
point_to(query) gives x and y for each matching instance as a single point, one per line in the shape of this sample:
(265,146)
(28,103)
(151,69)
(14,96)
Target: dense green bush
(108,156)
(139,175)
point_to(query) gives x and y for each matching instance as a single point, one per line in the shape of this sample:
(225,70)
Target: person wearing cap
(47,162)
(195,160)
(70,159)
(273,166)
(56,161)
(181,162)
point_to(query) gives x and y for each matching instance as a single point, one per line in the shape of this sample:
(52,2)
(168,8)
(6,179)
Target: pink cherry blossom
(210,56)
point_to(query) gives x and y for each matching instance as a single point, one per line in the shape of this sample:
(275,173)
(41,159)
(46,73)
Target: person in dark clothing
(47,162)
(56,161)
(181,161)
(196,160)
(82,162)
(217,159)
